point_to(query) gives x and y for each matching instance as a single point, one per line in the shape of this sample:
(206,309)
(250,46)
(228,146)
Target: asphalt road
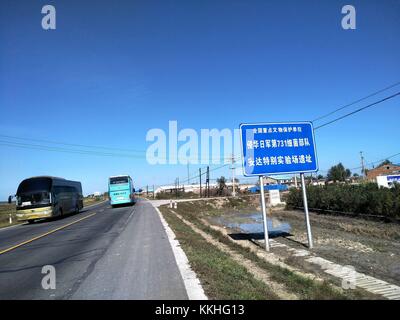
(114,253)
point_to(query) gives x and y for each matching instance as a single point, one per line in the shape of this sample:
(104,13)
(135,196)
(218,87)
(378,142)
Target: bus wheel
(31,221)
(77,209)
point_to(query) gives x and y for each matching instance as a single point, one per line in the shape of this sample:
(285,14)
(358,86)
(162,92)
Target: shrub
(365,198)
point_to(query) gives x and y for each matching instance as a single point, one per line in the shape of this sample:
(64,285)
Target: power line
(81,151)
(358,110)
(370,163)
(379,161)
(197,175)
(355,102)
(112,154)
(65,150)
(69,144)
(142,152)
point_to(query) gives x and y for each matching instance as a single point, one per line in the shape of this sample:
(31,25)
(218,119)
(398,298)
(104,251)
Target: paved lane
(120,253)
(10,236)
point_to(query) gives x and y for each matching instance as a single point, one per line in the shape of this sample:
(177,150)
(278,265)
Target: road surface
(110,253)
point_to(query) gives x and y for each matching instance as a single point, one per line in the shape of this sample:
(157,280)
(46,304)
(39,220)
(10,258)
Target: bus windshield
(34,192)
(118,180)
(33,198)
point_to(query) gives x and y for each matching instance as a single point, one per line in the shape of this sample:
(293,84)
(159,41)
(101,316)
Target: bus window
(118,180)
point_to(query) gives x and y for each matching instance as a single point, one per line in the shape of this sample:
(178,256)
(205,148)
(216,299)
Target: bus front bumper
(32,214)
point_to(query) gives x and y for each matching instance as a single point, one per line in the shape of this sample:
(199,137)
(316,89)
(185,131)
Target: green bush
(365,198)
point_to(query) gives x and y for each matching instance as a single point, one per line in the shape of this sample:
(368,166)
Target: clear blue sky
(112,70)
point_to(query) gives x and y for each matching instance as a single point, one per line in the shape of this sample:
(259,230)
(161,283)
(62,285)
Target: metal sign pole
(264,212)
(309,236)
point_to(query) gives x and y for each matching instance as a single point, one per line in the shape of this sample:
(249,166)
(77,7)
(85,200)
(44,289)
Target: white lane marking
(192,284)
(10,227)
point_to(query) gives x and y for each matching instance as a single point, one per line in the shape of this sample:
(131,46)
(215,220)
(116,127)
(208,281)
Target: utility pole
(154,192)
(233,176)
(188,179)
(208,182)
(362,165)
(200,180)
(147,190)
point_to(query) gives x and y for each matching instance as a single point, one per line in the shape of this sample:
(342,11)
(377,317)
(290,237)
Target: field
(232,226)
(5,211)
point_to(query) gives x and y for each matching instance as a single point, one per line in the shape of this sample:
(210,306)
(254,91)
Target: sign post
(309,235)
(264,213)
(279,148)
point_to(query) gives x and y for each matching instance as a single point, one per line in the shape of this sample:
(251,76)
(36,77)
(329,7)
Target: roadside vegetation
(220,275)
(5,211)
(361,199)
(219,190)
(293,283)
(87,201)
(166,195)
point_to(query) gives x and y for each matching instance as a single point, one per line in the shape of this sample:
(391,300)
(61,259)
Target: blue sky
(113,70)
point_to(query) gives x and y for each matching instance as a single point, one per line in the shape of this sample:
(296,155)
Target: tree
(338,173)
(320,177)
(221,184)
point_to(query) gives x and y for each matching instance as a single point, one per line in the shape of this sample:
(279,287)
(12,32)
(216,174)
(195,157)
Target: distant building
(383,170)
(183,187)
(276,180)
(269,180)
(318,182)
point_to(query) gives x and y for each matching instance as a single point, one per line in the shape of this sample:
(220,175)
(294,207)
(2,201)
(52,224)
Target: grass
(5,210)
(219,206)
(173,195)
(303,287)
(221,276)
(90,201)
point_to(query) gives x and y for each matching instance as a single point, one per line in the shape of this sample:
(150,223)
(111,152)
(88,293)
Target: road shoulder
(192,283)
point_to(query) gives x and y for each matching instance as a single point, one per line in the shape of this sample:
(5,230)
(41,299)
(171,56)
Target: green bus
(47,197)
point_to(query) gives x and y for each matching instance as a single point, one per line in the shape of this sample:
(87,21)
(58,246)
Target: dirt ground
(370,247)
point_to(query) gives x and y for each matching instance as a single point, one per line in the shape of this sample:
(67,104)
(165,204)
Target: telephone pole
(208,182)
(233,176)
(200,180)
(188,179)
(362,165)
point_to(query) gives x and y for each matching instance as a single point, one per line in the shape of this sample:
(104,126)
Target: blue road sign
(278,148)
